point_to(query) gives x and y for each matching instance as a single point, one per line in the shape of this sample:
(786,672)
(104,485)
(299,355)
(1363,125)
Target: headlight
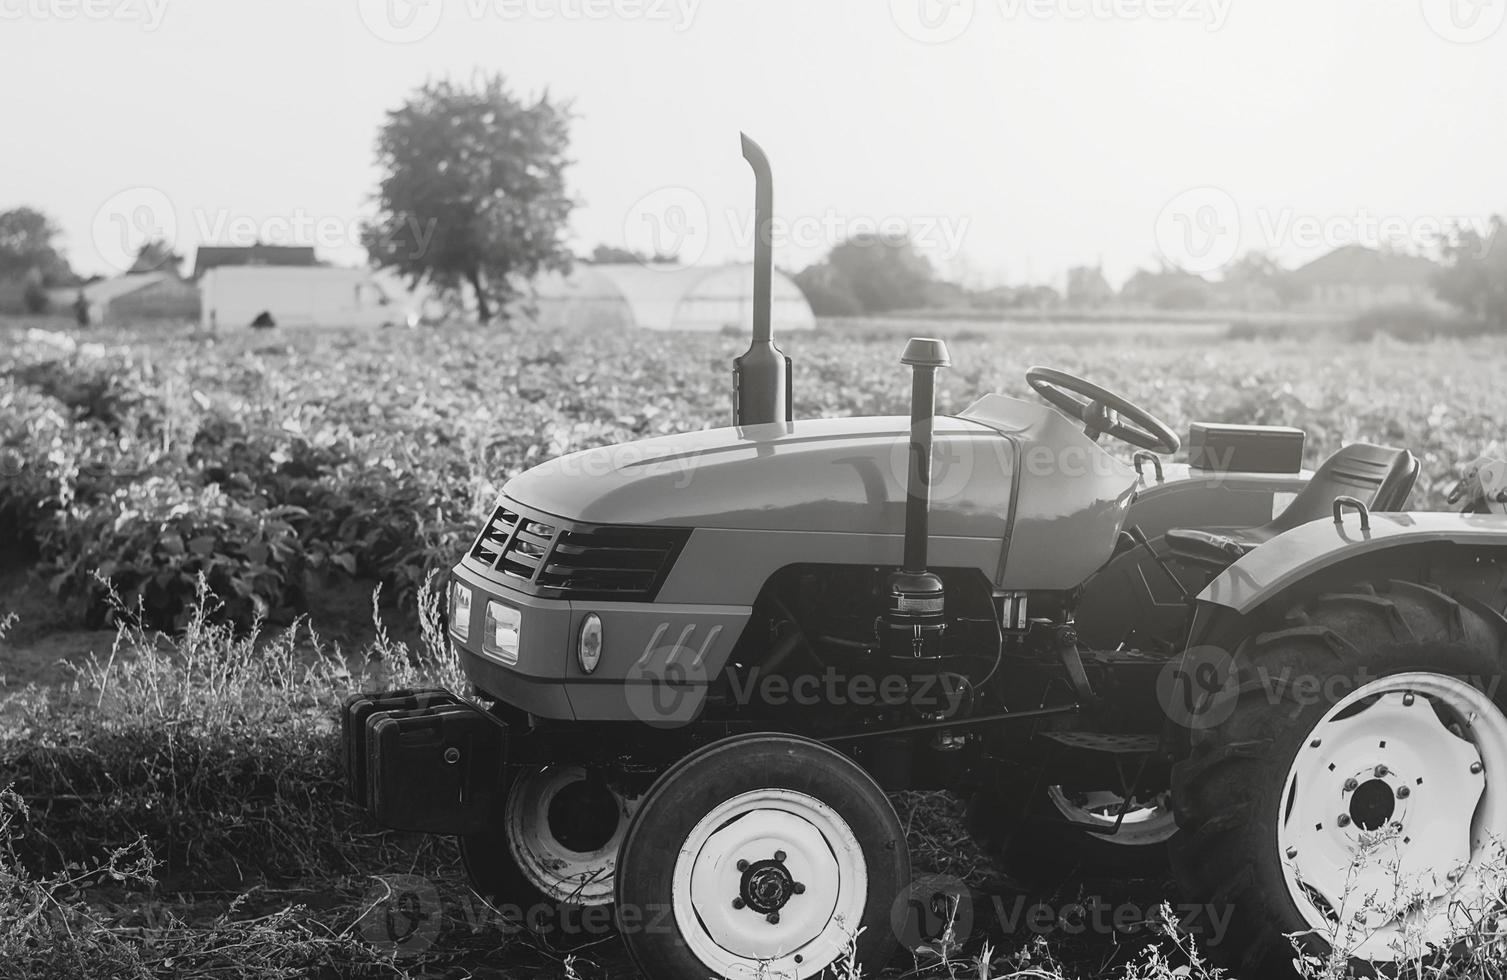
(501,637)
(589,643)
(460,609)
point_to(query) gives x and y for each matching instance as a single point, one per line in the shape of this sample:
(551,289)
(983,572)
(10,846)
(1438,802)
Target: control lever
(1139,537)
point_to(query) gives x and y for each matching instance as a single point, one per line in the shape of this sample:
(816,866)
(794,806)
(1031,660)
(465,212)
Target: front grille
(577,561)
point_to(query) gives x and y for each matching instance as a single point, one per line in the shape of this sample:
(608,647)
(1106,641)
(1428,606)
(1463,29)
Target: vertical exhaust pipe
(761,377)
(913,623)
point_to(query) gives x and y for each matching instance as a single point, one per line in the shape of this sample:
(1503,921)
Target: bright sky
(1015,137)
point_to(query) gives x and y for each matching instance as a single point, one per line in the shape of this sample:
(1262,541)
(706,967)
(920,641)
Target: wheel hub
(767,885)
(1388,815)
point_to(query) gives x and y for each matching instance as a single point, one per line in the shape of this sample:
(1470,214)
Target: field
(196,525)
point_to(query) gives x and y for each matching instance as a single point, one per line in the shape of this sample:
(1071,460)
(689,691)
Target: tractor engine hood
(832,475)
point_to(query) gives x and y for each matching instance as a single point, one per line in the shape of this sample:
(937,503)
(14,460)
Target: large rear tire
(760,856)
(1353,756)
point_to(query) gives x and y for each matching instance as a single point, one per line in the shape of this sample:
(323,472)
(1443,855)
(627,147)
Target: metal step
(1110,743)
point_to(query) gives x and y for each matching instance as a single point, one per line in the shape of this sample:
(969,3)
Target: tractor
(701,663)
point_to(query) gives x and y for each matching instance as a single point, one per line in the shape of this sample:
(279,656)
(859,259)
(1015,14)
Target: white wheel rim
(1144,824)
(561,873)
(813,925)
(1383,861)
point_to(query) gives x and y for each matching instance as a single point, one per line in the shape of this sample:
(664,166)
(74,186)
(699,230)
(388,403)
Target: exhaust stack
(761,377)
(913,621)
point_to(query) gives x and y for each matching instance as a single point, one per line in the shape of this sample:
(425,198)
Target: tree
(827,292)
(1474,279)
(882,272)
(612,255)
(474,190)
(26,248)
(156,255)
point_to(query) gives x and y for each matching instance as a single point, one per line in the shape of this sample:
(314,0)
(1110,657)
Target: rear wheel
(760,856)
(555,849)
(1350,785)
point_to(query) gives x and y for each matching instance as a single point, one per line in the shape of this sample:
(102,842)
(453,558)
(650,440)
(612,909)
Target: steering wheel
(1103,412)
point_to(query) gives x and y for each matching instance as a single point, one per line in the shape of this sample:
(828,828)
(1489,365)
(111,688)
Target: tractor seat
(1379,476)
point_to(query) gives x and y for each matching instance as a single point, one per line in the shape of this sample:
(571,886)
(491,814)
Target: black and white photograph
(753,490)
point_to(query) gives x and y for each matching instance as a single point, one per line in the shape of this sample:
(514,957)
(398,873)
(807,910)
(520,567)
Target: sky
(1012,138)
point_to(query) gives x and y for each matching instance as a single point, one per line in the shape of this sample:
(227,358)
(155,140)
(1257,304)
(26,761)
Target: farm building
(664,297)
(217,256)
(1355,278)
(133,299)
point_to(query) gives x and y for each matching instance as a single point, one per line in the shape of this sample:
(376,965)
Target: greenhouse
(665,297)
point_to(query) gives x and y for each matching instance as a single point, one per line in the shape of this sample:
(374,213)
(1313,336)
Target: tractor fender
(1299,554)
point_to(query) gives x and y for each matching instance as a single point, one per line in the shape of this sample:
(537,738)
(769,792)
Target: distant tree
(156,256)
(473,191)
(1474,277)
(612,255)
(828,293)
(1169,288)
(1257,280)
(26,247)
(883,272)
(1087,288)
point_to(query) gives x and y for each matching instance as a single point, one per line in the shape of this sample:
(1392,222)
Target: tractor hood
(833,475)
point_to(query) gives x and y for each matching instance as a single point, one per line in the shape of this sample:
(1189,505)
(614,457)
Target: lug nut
(1396,824)
(1379,771)
(1350,785)
(1292,852)
(779,856)
(1344,820)
(797,888)
(742,865)
(1315,743)
(773,918)
(1403,792)
(1475,768)
(452,755)
(1407,700)
(737,903)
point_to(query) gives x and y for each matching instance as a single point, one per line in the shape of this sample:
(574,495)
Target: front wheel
(760,856)
(1350,786)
